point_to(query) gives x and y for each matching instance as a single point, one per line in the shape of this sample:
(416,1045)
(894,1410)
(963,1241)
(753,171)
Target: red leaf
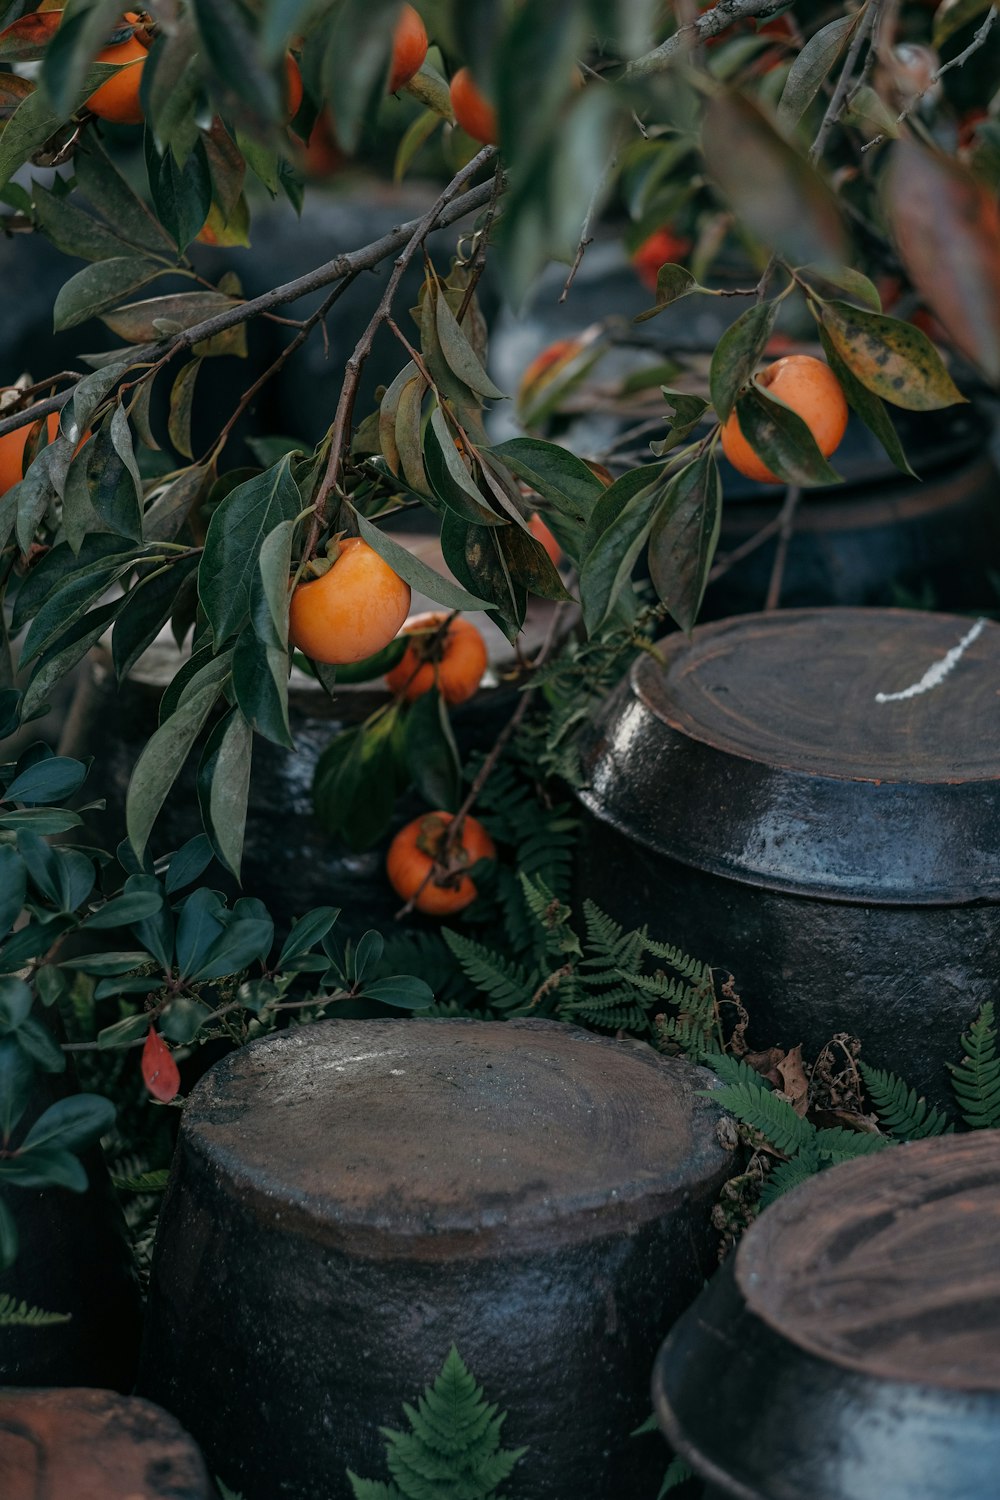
(947,228)
(159,1071)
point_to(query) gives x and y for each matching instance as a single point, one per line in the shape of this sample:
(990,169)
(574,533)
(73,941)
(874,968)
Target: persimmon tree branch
(723,14)
(364,259)
(978,40)
(839,99)
(341,426)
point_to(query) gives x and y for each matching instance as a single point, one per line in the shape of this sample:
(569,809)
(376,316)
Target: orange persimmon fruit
(453,660)
(812,391)
(422,869)
(352,610)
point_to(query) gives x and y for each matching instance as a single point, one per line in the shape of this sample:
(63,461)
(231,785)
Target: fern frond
(976,1079)
(678,1473)
(373,1489)
(692,1034)
(505,983)
(142,1182)
(14,1314)
(691,969)
(900,1110)
(789,1174)
(452,1450)
(836,1144)
(735,1070)
(763,1110)
(603,933)
(608,1013)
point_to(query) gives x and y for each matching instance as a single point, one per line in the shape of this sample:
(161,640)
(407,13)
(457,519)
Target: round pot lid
(845,754)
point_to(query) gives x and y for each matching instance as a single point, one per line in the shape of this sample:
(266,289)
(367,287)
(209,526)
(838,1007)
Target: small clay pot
(850,1349)
(350,1199)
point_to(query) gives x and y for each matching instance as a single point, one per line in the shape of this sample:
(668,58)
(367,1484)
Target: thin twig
(364,259)
(978,41)
(838,100)
(752,543)
(341,427)
(713,22)
(786,525)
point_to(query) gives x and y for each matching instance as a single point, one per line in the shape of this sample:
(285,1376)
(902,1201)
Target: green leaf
(123,1032)
(242,942)
(533,76)
(8,1237)
(812,67)
(952,15)
(672,283)
(188,863)
(110,195)
(147,609)
(462,358)
(72,1124)
(688,411)
(35,120)
(892,359)
(50,780)
(260,682)
(122,911)
(828,281)
(738,353)
(403,991)
(183,1019)
(160,762)
(354,788)
(775,192)
(71,230)
(15,1003)
(17,1075)
(181,401)
(83,32)
(868,406)
(13,884)
(41,1046)
(236,533)
(684,536)
(45,1167)
(224,787)
(558,475)
(356,63)
(617,532)
(113,479)
(781,438)
(474,555)
(414,572)
(306,932)
(146,321)
(100,286)
(431,753)
(449,478)
(226,31)
(182,194)
(64,654)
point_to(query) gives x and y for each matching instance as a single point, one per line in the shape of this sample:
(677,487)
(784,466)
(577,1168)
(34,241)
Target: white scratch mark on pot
(936,673)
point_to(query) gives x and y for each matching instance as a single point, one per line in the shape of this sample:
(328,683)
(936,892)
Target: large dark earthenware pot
(850,1350)
(780,799)
(74,1259)
(92,1445)
(350,1199)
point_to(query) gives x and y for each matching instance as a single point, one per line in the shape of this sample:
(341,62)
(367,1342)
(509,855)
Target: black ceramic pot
(850,1349)
(350,1199)
(780,799)
(92,1445)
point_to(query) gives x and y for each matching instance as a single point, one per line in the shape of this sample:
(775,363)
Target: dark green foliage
(900,1111)
(606,980)
(452,1450)
(976,1079)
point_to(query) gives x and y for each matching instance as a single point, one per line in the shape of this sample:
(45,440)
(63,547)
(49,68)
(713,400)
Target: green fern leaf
(452,1451)
(14,1314)
(144,1182)
(691,969)
(790,1174)
(735,1070)
(976,1079)
(762,1110)
(373,1489)
(505,983)
(603,934)
(836,1145)
(899,1109)
(678,1473)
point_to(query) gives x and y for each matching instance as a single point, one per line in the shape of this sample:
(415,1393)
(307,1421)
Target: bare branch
(334,270)
(978,41)
(723,14)
(838,102)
